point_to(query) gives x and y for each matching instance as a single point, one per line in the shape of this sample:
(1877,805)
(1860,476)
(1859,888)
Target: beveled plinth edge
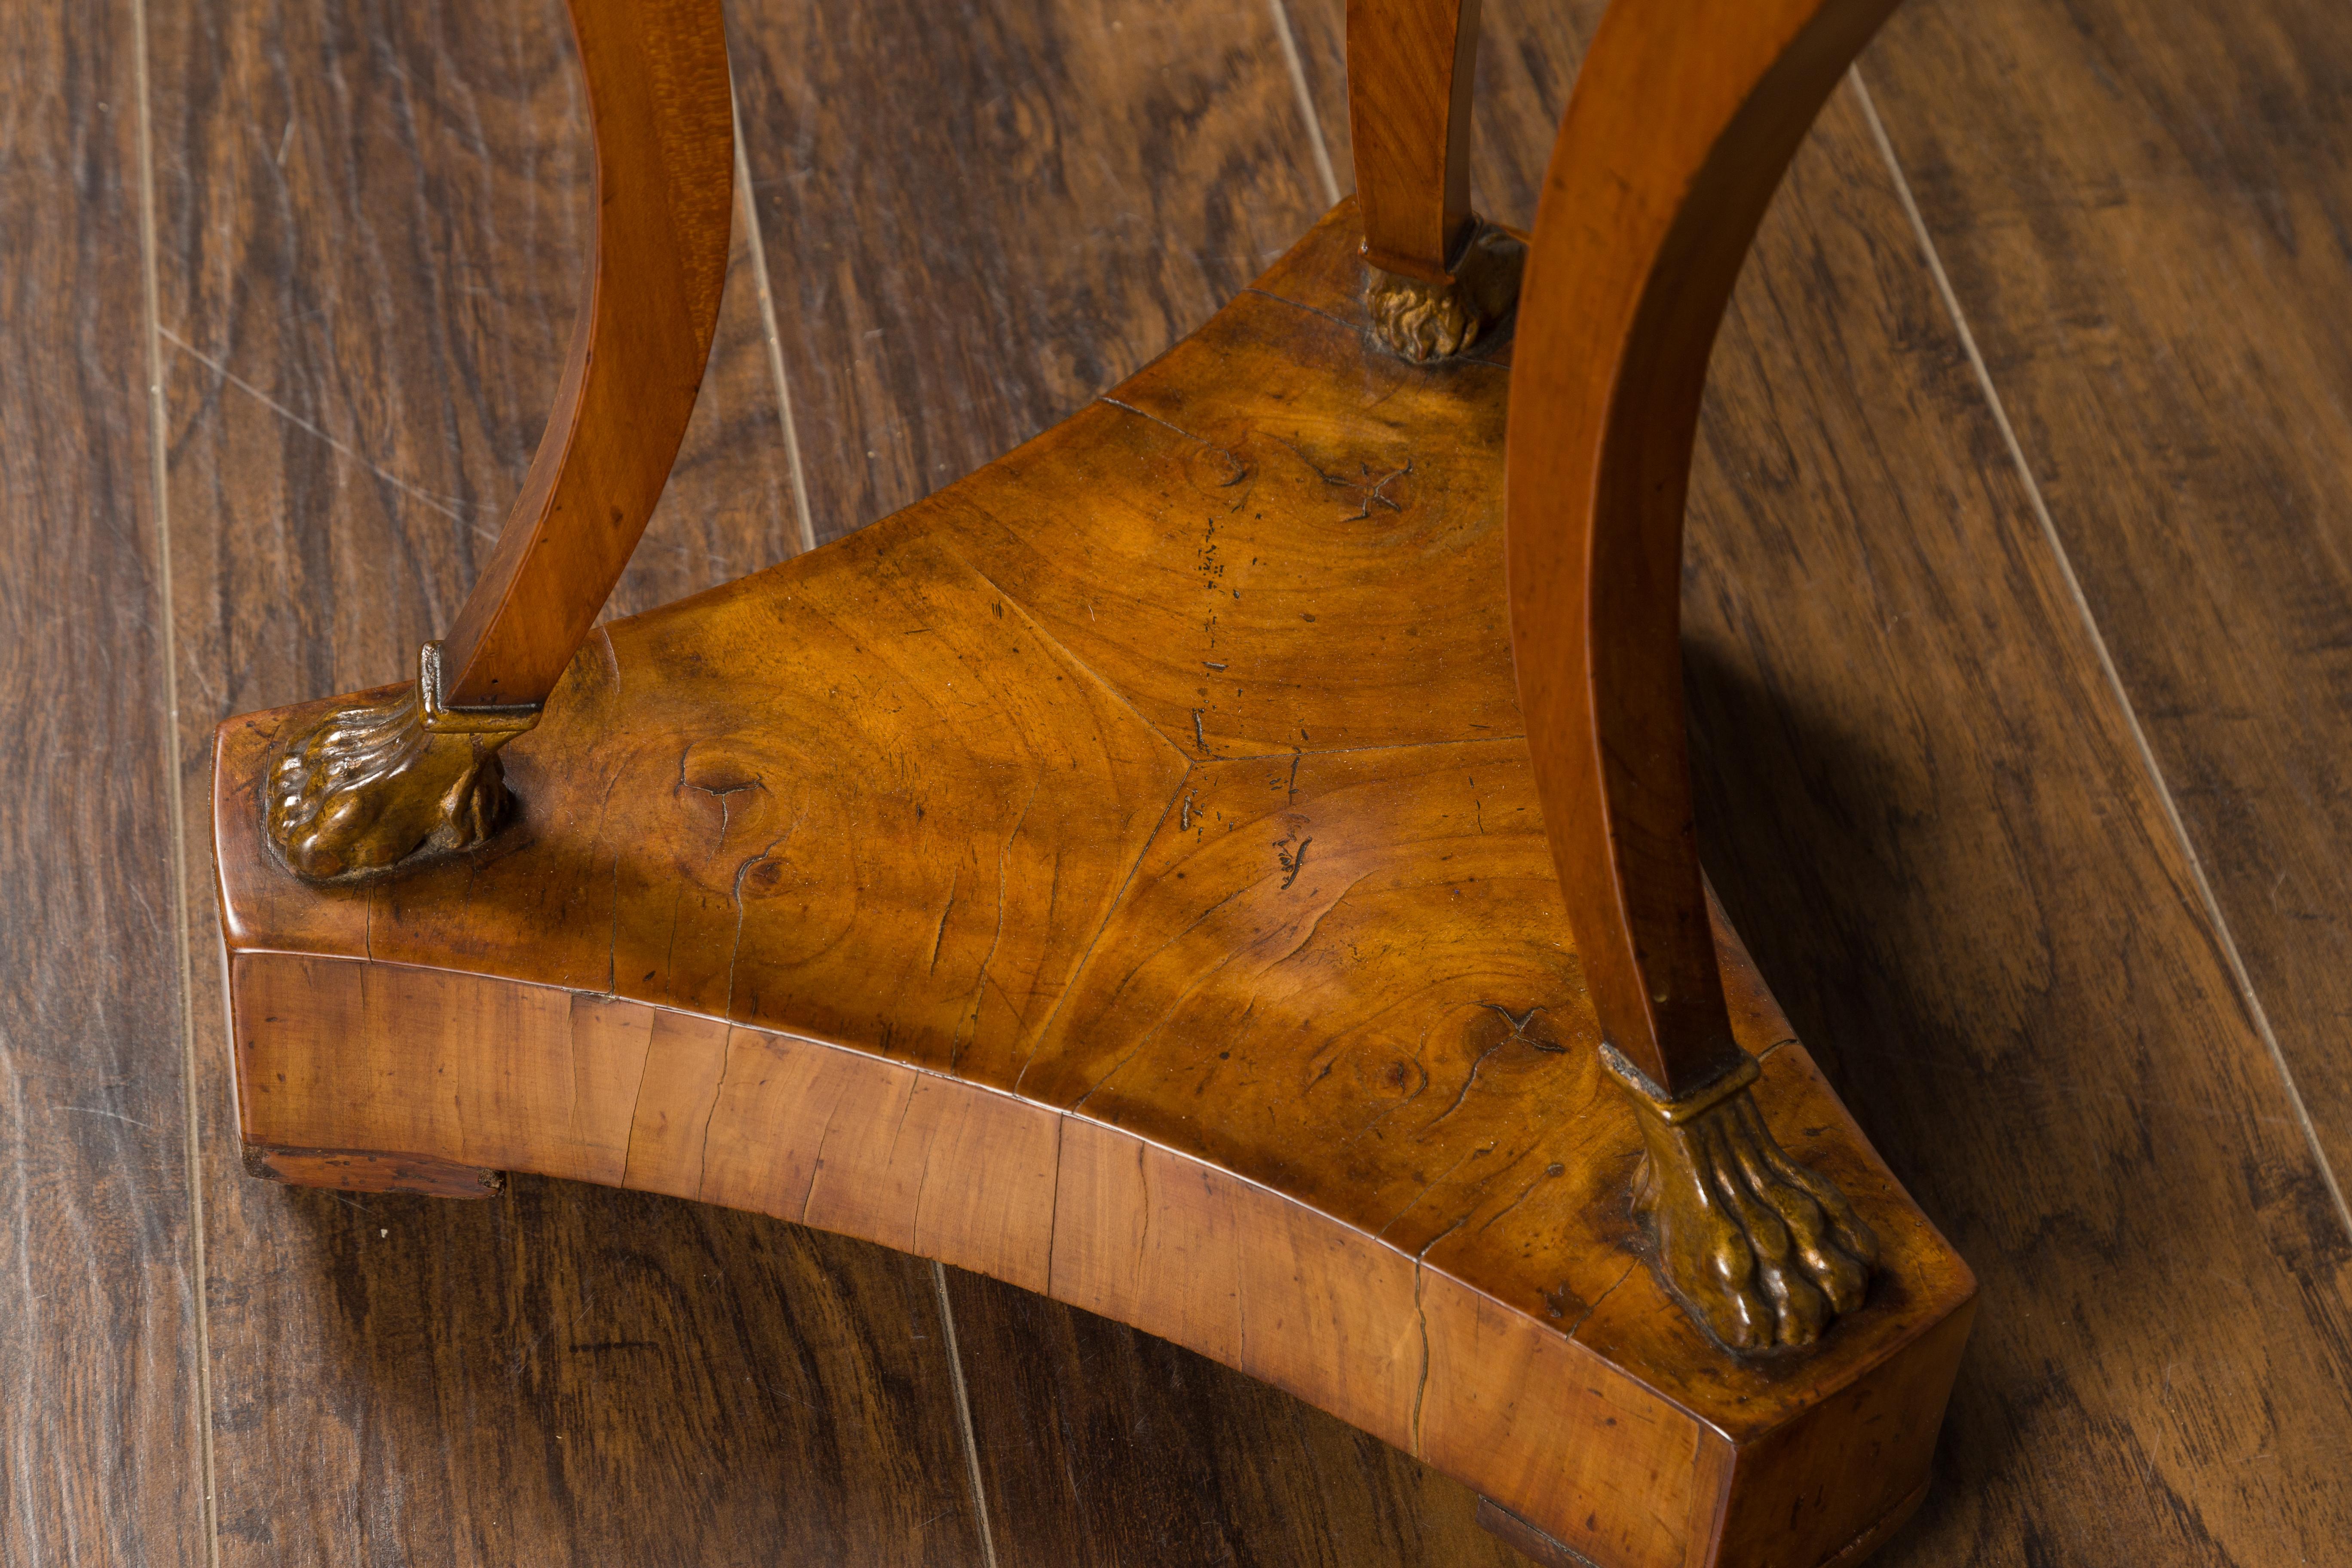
(1068,880)
(1594,1440)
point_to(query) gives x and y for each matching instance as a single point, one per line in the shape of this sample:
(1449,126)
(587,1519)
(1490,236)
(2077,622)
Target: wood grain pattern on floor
(2148,244)
(100,1445)
(977,217)
(371,329)
(1923,797)
(1900,714)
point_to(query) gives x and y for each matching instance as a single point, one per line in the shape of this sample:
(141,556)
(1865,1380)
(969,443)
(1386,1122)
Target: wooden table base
(1118,874)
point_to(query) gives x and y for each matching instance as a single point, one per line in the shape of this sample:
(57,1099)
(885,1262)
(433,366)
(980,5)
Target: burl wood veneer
(1119,874)
(1167,869)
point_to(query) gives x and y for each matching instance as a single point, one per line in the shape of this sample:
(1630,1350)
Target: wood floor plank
(1100,1446)
(978,215)
(99,1341)
(1920,798)
(973,223)
(2142,213)
(375,217)
(561,1372)
(370,330)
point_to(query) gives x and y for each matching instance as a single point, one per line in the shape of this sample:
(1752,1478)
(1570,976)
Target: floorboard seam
(963,1415)
(2227,942)
(1289,36)
(751,218)
(158,447)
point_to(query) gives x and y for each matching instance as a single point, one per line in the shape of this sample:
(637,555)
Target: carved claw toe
(375,783)
(1423,321)
(1762,1251)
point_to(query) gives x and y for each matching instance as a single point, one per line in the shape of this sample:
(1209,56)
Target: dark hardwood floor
(2020,603)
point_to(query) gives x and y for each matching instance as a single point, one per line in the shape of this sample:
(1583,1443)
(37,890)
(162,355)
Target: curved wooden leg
(1683,121)
(926,888)
(397,777)
(1440,277)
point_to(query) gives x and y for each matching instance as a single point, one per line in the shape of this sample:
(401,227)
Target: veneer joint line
(2210,904)
(1252,1182)
(159,461)
(963,1414)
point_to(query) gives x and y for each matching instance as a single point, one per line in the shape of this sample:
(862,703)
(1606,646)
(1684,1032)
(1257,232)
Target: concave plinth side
(1120,874)
(1589,1440)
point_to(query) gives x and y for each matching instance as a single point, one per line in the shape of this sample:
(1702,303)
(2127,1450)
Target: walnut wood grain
(1411,68)
(99,1343)
(888,929)
(1916,793)
(654,74)
(521,1380)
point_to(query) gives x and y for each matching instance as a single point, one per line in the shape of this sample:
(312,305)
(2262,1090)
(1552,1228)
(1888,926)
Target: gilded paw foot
(1424,322)
(1763,1252)
(377,783)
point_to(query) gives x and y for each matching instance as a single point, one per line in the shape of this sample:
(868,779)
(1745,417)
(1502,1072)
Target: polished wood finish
(1902,738)
(1070,920)
(656,75)
(1411,68)
(415,775)
(1436,279)
(1646,217)
(533,1379)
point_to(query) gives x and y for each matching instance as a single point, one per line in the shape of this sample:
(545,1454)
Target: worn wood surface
(1879,634)
(1414,64)
(662,127)
(1074,878)
(549,1375)
(2126,202)
(100,1346)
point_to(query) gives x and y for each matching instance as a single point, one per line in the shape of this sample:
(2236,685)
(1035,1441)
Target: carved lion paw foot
(1763,1252)
(1424,322)
(376,783)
